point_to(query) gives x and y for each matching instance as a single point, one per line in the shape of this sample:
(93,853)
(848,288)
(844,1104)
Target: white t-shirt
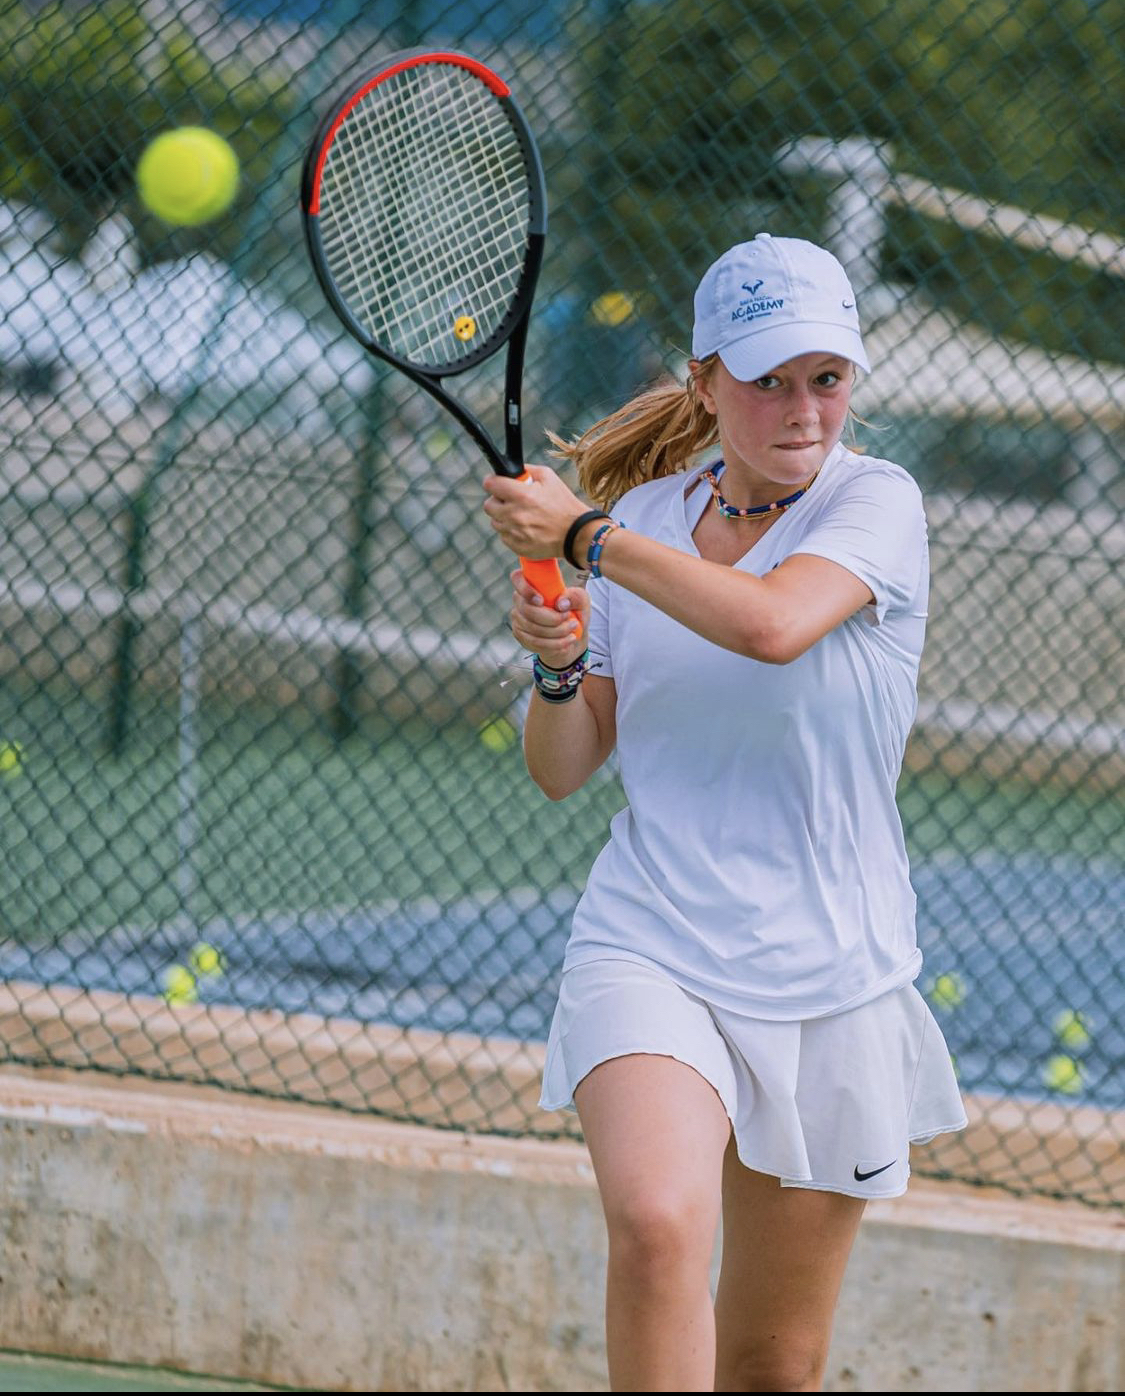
(760,859)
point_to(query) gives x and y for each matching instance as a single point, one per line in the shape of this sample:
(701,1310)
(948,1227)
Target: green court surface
(30,1372)
(286,817)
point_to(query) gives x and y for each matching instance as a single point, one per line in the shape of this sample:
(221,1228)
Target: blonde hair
(656,433)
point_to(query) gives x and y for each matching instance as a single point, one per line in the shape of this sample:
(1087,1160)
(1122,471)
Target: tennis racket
(425,213)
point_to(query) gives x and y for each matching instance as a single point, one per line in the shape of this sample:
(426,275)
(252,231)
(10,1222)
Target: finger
(542,629)
(502,488)
(543,618)
(541,635)
(523,588)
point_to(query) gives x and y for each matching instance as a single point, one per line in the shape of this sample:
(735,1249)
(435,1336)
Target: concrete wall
(189,1227)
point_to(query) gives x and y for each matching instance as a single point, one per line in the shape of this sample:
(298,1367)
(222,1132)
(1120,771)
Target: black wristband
(572,533)
(558,697)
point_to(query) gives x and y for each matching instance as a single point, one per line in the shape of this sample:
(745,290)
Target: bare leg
(656,1131)
(785,1251)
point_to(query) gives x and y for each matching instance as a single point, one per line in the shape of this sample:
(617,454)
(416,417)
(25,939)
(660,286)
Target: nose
(802,406)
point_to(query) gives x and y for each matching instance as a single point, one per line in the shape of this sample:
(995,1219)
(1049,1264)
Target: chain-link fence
(265,819)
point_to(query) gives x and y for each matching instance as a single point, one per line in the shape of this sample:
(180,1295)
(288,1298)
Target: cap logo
(753,306)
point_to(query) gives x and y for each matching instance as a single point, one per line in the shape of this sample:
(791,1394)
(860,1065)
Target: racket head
(424,208)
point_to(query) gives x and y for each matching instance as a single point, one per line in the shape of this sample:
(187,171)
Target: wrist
(585,536)
(600,531)
(573,549)
(559,685)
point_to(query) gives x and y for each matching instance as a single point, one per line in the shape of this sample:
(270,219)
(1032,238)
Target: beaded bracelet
(572,533)
(594,551)
(559,685)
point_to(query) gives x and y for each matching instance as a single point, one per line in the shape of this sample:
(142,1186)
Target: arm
(563,743)
(773,619)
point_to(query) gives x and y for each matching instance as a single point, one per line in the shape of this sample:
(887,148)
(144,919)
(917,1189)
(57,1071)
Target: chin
(801,462)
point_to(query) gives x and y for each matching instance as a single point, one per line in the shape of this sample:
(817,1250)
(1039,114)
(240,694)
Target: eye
(828,379)
(767,381)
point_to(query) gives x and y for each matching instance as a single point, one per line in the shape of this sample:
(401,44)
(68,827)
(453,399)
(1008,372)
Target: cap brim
(758,354)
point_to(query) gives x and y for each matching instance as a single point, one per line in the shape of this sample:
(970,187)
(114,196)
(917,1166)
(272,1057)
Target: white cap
(769,300)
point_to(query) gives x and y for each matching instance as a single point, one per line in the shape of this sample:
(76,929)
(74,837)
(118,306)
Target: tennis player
(738,1025)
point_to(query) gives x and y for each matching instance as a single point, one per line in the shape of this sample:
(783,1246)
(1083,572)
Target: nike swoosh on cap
(863,1177)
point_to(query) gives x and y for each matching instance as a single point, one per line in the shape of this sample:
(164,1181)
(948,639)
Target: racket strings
(425,236)
(425,211)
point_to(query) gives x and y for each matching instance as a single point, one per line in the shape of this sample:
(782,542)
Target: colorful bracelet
(572,533)
(559,685)
(597,543)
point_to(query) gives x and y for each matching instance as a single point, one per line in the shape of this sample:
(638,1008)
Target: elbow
(771,643)
(554,791)
(554,784)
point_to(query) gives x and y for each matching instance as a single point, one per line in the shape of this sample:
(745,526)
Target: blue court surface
(1015,941)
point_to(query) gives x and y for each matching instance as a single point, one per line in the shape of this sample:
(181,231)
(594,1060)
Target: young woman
(737,1022)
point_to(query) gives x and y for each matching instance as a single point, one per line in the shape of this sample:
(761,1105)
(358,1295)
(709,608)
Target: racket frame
(512,330)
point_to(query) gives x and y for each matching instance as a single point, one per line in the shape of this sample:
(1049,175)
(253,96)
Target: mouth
(795,445)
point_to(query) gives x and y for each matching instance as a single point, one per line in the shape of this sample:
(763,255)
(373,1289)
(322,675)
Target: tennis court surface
(1024,937)
(30,1372)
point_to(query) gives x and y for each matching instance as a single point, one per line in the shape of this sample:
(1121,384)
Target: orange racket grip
(545,575)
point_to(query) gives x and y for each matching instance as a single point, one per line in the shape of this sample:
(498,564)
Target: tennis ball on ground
(179,985)
(498,734)
(206,961)
(1072,1029)
(948,991)
(11,758)
(1063,1074)
(187,176)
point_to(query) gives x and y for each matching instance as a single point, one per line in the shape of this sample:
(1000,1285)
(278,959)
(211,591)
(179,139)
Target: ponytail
(654,434)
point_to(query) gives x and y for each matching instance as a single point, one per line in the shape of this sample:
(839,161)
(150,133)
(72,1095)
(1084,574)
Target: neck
(743,490)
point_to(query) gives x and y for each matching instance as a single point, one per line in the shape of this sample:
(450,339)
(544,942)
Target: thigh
(785,1251)
(656,1131)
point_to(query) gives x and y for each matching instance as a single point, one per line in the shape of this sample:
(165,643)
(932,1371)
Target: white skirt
(830,1103)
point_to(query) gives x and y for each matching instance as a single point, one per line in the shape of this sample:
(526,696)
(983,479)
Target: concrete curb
(191,1228)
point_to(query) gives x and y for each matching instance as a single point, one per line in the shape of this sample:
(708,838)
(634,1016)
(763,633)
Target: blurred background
(261,792)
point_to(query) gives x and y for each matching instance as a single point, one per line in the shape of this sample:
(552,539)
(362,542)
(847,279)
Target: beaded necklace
(756,511)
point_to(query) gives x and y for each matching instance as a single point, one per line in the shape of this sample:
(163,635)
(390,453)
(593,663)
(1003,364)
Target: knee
(655,1232)
(776,1364)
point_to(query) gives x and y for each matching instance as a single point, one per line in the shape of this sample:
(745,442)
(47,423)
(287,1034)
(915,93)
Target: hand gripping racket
(425,214)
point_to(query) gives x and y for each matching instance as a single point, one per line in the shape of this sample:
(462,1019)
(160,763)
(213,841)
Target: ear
(697,386)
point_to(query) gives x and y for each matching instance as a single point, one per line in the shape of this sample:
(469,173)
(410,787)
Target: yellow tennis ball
(206,961)
(11,758)
(1072,1029)
(465,328)
(179,985)
(188,176)
(613,308)
(498,734)
(1063,1074)
(948,991)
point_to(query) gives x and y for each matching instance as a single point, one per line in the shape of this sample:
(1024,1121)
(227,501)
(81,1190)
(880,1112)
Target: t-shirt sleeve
(601,661)
(875,526)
